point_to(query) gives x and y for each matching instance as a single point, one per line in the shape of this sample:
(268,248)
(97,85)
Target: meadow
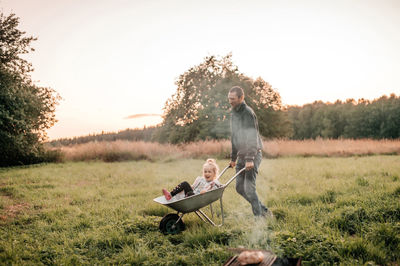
(328,210)
(112,151)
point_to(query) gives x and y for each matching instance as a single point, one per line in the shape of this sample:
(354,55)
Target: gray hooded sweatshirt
(246,140)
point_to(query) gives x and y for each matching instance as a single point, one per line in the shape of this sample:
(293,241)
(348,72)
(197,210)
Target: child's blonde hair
(212,163)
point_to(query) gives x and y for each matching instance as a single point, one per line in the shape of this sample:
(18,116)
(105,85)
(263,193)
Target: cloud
(141,115)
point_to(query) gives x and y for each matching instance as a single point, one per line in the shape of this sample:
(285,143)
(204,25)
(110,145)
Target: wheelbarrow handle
(238,173)
(223,171)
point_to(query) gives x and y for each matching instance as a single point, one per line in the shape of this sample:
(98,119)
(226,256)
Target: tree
(200,110)
(26,110)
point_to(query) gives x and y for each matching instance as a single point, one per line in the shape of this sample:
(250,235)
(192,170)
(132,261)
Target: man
(246,149)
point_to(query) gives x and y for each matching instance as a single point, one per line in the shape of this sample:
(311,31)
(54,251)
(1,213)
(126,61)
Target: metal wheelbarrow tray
(173,224)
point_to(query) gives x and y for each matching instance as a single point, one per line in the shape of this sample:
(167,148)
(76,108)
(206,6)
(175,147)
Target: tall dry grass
(127,150)
(120,151)
(330,147)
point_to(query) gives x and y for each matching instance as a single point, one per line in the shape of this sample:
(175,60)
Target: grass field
(327,211)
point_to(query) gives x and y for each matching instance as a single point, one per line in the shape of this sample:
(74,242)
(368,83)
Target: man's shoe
(268,214)
(166,193)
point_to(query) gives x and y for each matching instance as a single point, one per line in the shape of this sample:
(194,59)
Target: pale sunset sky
(111,60)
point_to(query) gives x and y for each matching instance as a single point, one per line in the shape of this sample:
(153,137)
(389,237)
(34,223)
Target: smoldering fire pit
(259,257)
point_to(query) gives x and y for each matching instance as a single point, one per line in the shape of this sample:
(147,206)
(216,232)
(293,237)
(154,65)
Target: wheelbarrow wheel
(168,224)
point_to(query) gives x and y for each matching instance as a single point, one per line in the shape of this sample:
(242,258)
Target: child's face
(209,173)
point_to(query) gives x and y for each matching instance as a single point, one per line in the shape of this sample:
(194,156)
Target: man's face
(234,100)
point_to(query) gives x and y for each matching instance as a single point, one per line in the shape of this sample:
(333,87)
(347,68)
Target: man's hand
(232,164)
(249,165)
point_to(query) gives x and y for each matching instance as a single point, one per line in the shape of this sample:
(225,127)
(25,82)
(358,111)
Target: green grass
(328,211)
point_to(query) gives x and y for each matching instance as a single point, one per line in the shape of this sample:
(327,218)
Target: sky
(115,63)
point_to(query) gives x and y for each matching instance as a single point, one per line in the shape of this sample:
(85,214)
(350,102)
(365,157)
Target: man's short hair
(238,90)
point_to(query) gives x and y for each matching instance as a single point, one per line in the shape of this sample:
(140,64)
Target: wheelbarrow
(172,223)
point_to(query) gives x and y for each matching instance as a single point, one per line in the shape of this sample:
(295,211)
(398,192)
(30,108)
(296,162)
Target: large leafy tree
(26,110)
(200,110)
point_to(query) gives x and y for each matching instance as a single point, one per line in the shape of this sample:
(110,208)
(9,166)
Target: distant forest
(145,134)
(376,119)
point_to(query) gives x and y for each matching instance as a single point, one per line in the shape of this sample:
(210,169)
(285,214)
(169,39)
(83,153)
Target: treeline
(377,119)
(145,134)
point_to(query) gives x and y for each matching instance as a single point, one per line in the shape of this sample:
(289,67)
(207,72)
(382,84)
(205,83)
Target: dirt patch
(11,211)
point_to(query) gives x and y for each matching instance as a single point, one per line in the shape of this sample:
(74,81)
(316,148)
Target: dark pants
(184,186)
(246,184)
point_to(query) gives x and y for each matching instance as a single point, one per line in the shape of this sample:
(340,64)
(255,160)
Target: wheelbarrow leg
(222,211)
(206,217)
(197,213)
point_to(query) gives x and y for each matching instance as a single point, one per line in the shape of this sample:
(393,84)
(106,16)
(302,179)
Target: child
(201,185)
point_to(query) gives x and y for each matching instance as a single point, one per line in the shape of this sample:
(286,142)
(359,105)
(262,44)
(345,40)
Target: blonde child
(201,185)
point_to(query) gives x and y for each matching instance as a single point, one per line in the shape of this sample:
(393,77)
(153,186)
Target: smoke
(260,235)
(258,232)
